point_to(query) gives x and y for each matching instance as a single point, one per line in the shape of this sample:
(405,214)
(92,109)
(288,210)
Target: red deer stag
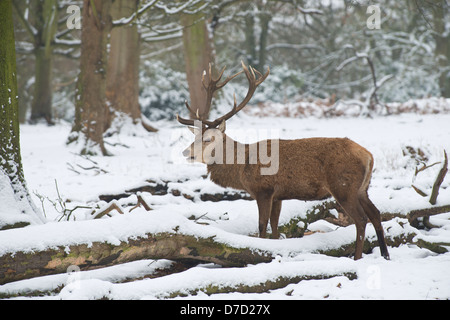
(307,169)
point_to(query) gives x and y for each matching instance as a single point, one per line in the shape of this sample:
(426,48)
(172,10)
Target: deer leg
(360,235)
(353,209)
(274,217)
(374,216)
(264,201)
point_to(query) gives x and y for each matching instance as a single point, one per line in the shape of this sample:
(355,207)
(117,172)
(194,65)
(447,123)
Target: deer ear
(222,126)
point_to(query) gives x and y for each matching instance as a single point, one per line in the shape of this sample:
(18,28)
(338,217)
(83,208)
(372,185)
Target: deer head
(210,134)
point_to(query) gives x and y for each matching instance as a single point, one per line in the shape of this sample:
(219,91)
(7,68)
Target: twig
(420,192)
(425,167)
(107,210)
(415,214)
(203,215)
(142,202)
(95,166)
(98,169)
(372,96)
(41,199)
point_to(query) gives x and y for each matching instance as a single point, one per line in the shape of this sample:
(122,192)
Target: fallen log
(19,265)
(262,287)
(178,246)
(162,188)
(172,246)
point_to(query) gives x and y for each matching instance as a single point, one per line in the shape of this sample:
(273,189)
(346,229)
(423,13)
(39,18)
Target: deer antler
(253,82)
(210,88)
(214,85)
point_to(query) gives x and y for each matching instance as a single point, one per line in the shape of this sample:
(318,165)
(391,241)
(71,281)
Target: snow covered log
(176,246)
(54,247)
(172,246)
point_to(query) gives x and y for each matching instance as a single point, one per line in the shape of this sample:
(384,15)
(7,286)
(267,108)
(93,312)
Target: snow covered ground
(412,273)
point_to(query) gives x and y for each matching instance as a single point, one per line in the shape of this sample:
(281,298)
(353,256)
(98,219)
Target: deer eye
(207,140)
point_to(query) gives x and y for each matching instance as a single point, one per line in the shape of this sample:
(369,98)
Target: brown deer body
(307,169)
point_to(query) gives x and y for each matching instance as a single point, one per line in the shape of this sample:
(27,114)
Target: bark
(265,21)
(162,188)
(122,85)
(20,265)
(262,287)
(46,22)
(439,180)
(41,107)
(198,53)
(90,99)
(250,40)
(10,157)
(441,14)
(170,245)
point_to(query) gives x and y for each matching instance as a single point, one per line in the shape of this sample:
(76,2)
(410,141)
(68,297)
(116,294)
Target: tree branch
(131,19)
(439,180)
(32,32)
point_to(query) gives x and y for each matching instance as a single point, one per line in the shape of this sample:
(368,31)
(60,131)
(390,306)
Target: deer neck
(226,174)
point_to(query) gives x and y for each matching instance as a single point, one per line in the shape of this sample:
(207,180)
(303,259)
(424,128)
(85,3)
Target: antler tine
(191,110)
(186,122)
(254,77)
(189,122)
(253,82)
(220,75)
(228,79)
(212,82)
(262,77)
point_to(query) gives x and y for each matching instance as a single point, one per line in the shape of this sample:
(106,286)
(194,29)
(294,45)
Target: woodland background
(158,49)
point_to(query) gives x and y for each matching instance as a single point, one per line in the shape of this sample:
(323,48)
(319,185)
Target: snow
(138,156)
(10,212)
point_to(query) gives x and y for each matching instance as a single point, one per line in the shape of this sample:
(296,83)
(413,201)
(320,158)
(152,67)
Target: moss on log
(280,282)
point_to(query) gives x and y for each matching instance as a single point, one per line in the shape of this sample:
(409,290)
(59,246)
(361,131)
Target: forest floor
(399,143)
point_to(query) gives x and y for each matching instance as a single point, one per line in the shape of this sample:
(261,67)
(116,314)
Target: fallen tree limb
(141,202)
(107,210)
(19,265)
(162,188)
(296,227)
(415,214)
(439,180)
(177,246)
(172,246)
(270,284)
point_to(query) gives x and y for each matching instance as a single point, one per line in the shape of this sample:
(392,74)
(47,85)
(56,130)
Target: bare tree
(198,53)
(90,102)
(122,84)
(11,171)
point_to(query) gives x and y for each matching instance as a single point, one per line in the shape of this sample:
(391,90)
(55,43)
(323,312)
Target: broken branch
(106,210)
(439,180)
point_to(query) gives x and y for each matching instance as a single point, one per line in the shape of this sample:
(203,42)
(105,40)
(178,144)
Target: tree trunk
(20,265)
(176,246)
(10,157)
(198,53)
(122,85)
(441,14)
(46,24)
(16,266)
(250,40)
(265,21)
(41,107)
(90,98)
